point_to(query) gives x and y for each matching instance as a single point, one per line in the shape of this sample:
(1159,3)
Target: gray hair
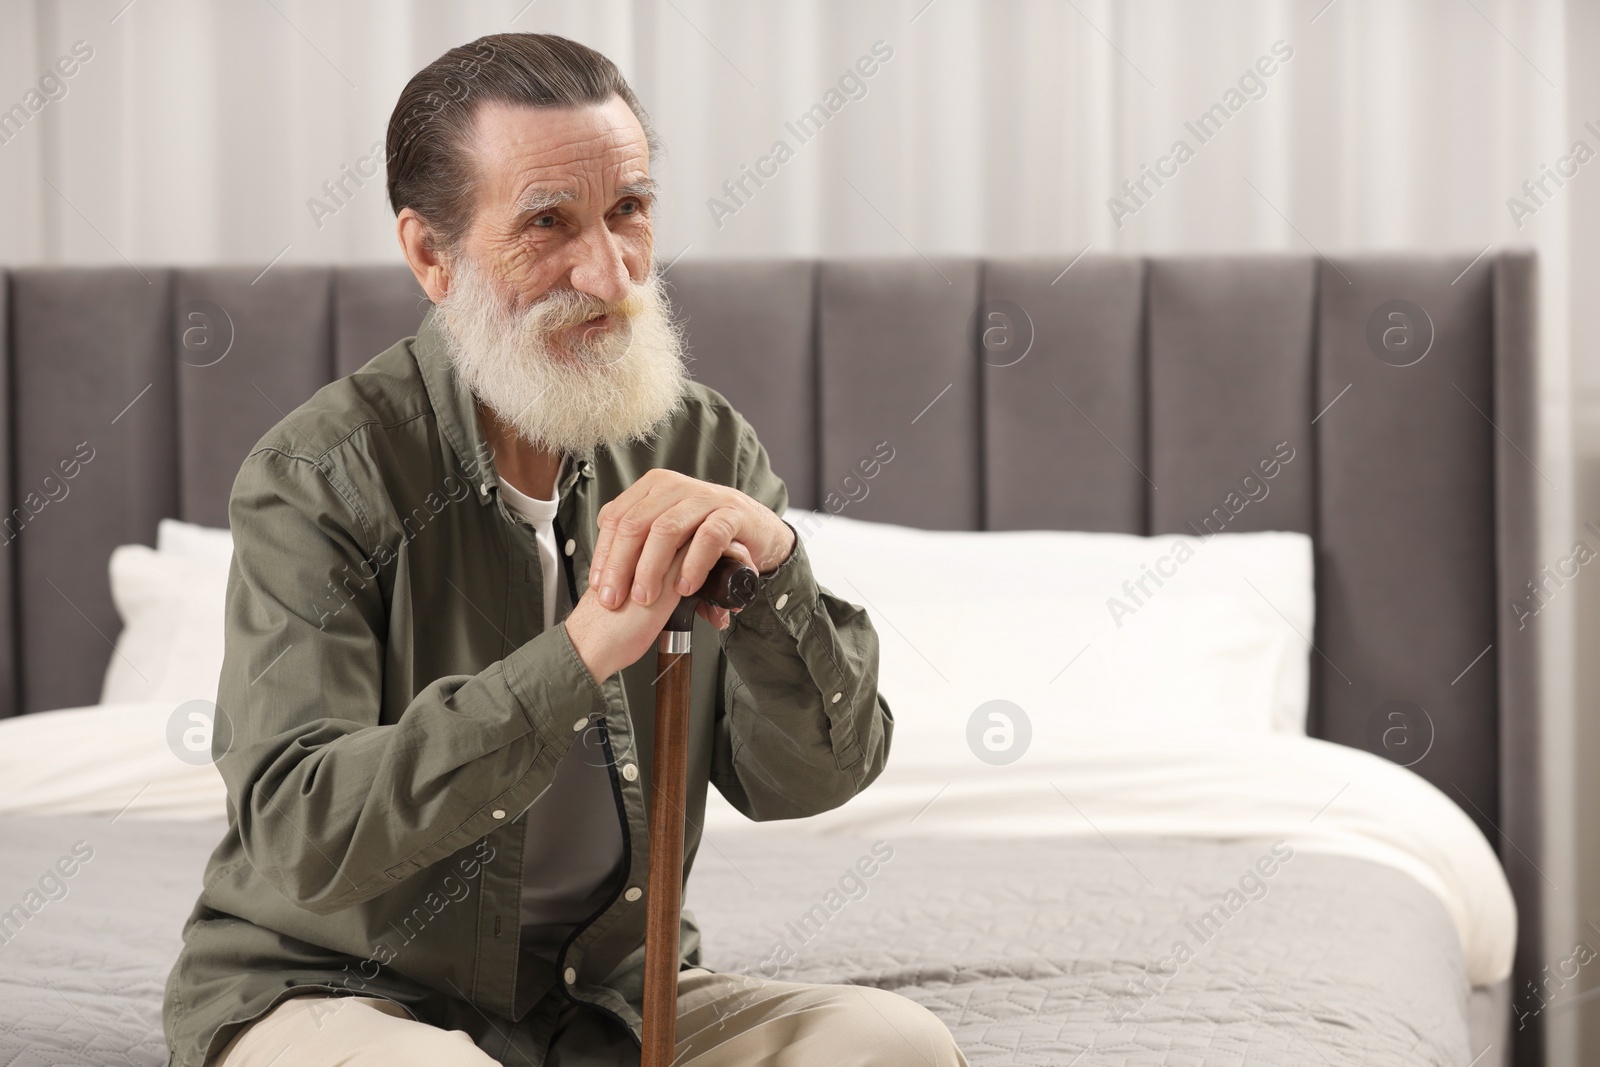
(430,170)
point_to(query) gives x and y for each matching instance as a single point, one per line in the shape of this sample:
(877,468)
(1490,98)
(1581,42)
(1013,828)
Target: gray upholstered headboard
(1123,394)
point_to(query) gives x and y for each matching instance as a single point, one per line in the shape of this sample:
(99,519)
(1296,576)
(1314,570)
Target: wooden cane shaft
(664,881)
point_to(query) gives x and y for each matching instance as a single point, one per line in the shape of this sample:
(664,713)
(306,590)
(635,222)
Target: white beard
(574,393)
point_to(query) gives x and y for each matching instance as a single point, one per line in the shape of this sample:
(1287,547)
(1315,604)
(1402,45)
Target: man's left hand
(642,529)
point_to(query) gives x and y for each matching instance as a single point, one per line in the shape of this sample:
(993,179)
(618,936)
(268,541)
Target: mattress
(1055,951)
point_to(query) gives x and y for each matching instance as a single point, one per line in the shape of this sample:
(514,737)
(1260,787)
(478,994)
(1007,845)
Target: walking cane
(729,585)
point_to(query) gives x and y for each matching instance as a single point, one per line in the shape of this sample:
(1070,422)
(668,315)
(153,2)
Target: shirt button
(634,893)
(498,813)
(781,601)
(570,546)
(484,489)
(571,976)
(629,771)
(836,697)
(579,725)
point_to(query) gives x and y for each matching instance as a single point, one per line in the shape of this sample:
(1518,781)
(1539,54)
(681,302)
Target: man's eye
(634,204)
(542,220)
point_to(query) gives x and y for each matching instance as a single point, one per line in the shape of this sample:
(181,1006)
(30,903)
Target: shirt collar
(456,410)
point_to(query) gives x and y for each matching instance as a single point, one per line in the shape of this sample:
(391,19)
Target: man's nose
(600,269)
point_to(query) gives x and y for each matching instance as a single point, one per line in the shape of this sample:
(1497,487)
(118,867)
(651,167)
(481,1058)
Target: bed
(1039,978)
(1383,776)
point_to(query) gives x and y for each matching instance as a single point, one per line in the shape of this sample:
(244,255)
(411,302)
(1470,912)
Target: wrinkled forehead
(587,155)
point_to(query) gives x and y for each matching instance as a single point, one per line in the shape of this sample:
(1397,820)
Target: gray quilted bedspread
(1067,952)
(1031,952)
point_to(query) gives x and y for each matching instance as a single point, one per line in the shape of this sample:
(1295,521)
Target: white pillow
(1159,632)
(172,609)
(1058,624)
(191,541)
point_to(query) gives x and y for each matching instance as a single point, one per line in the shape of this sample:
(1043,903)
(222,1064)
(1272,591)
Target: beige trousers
(724,1020)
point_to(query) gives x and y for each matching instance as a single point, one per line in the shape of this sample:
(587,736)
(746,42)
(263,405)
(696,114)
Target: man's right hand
(609,639)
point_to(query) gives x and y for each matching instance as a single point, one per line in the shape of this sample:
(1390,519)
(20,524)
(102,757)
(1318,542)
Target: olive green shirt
(391,705)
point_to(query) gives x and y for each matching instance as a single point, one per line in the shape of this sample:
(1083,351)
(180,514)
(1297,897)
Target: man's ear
(430,267)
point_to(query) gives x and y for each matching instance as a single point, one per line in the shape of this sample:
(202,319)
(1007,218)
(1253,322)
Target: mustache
(563,308)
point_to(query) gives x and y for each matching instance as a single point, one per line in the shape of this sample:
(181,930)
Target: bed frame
(1121,394)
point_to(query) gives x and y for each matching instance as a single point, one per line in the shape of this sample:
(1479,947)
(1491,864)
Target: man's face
(563,200)
(554,315)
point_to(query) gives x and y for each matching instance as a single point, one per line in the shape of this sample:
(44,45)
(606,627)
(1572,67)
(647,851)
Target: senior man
(435,711)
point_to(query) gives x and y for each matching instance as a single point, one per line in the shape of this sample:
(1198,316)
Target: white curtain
(198,132)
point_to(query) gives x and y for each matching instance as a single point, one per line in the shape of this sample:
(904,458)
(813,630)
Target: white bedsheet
(1317,796)
(110,759)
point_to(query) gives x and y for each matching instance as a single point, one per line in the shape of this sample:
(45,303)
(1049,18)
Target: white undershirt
(541,514)
(573,842)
